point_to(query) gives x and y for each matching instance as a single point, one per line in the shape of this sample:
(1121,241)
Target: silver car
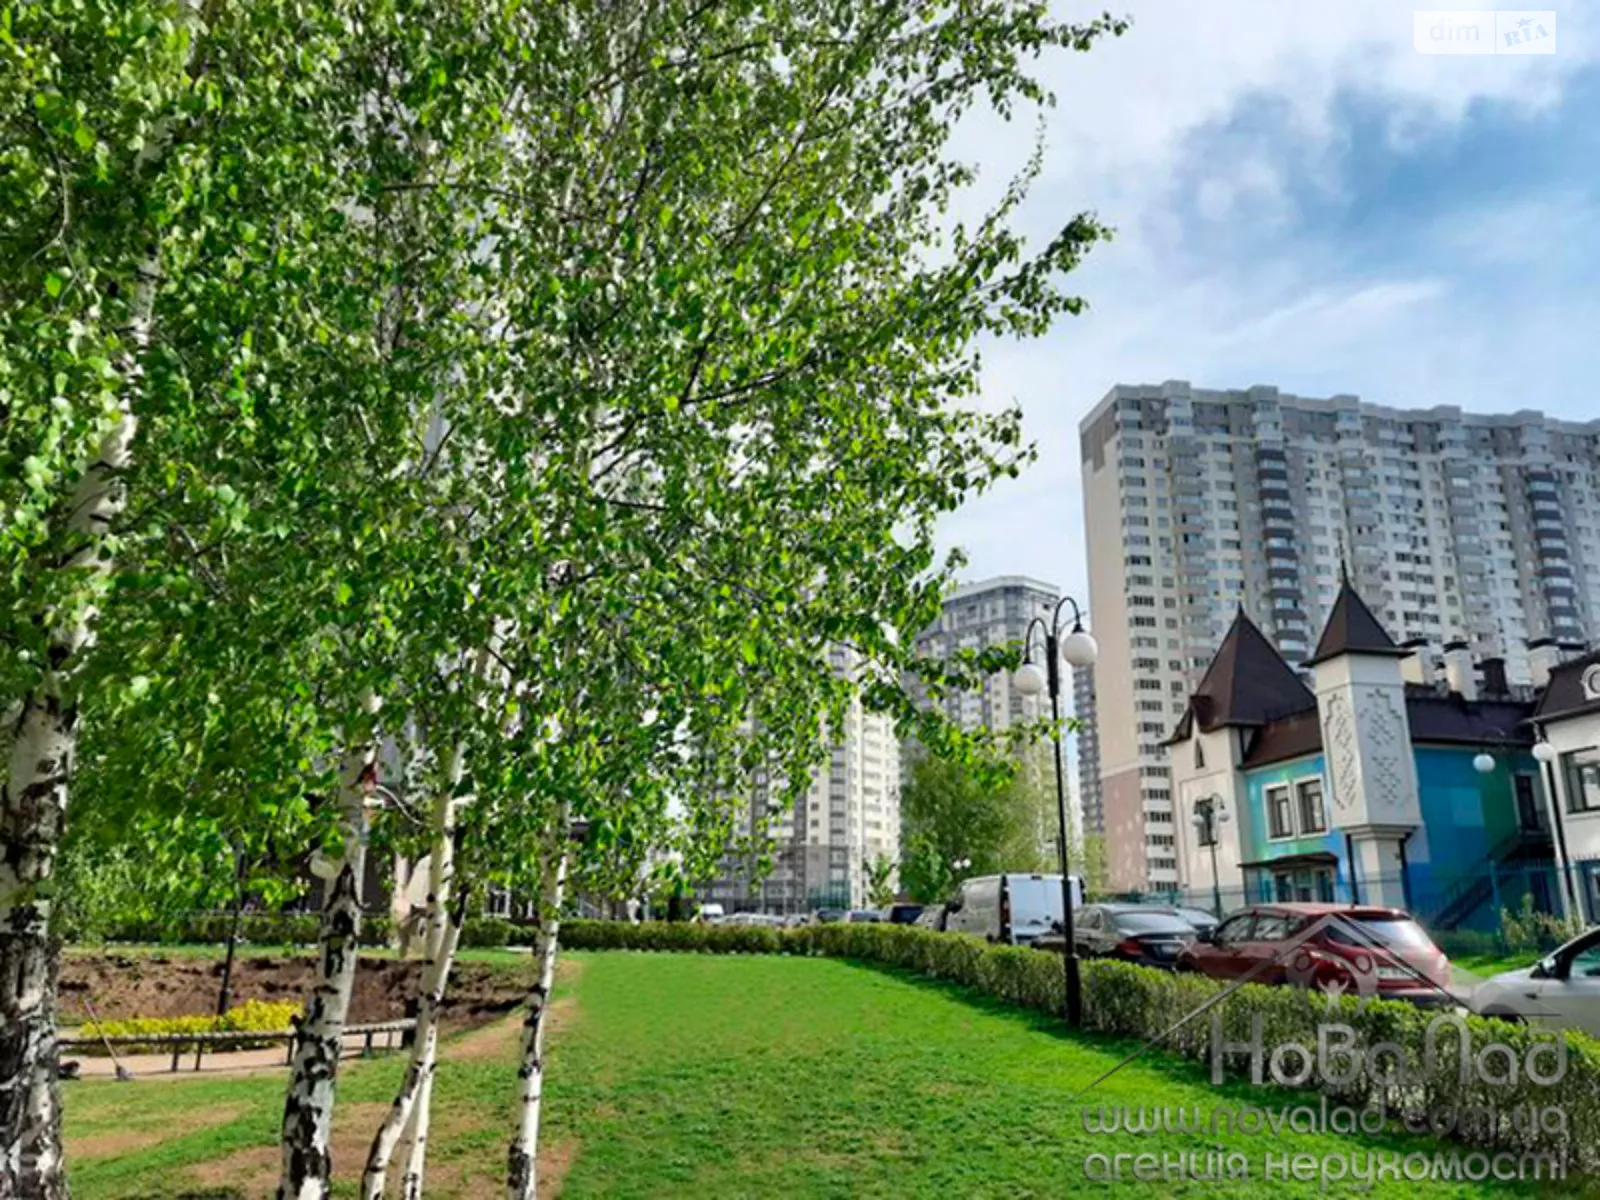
(1560,991)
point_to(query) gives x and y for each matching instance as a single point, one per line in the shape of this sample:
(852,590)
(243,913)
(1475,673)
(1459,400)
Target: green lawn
(1486,965)
(684,1075)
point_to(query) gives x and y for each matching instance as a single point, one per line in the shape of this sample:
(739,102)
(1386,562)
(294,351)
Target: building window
(1280,820)
(1313,819)
(1581,771)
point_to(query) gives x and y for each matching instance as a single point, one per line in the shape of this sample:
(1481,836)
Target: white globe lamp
(1483,763)
(1080,649)
(1029,679)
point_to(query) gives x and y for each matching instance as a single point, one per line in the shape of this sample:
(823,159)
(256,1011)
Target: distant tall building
(1088,746)
(848,819)
(989,613)
(1458,528)
(993,612)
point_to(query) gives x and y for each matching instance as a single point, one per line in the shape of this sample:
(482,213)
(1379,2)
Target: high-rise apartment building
(993,612)
(978,615)
(1088,747)
(1456,528)
(849,818)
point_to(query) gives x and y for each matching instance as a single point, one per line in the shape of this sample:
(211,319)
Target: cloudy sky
(1301,199)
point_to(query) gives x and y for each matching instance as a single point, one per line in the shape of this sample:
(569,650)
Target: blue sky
(1303,200)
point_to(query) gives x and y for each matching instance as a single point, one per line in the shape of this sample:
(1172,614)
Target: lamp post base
(1074,990)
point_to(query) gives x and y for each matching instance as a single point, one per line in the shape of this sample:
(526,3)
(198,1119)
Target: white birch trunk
(43,740)
(411,1179)
(443,932)
(308,1106)
(522,1159)
(33,806)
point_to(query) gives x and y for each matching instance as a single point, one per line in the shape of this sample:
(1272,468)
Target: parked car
(1357,948)
(1151,937)
(932,918)
(901,914)
(794,920)
(711,914)
(863,916)
(1016,909)
(827,916)
(1560,991)
(1203,920)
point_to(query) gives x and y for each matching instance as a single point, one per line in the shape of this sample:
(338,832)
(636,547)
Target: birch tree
(126,127)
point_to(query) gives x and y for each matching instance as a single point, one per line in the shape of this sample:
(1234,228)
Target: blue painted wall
(1465,817)
(1259,846)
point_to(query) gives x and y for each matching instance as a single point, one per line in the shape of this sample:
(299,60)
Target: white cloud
(1126,115)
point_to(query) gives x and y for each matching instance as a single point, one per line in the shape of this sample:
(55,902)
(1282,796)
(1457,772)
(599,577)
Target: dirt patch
(254,1172)
(555,1160)
(227,1175)
(501,1040)
(121,986)
(126,1140)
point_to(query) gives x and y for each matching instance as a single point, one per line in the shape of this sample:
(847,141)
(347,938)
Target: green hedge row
(292,929)
(1135,1002)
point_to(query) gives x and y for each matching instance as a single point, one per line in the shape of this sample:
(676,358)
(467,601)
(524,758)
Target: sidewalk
(233,1062)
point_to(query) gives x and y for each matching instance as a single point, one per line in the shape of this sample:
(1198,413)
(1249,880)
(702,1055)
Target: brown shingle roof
(1247,683)
(1564,697)
(1352,629)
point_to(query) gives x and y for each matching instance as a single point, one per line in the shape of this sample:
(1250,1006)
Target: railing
(179,1042)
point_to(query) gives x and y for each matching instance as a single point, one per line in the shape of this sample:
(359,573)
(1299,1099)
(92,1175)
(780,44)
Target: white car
(1016,909)
(1560,991)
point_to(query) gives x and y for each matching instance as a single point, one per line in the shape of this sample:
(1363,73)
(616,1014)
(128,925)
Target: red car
(1361,949)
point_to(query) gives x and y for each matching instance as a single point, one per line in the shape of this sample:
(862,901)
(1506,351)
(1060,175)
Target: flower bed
(253,1016)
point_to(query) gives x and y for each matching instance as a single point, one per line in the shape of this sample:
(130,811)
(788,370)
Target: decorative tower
(1366,741)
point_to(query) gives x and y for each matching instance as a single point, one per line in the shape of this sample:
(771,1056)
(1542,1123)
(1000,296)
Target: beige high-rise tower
(1456,527)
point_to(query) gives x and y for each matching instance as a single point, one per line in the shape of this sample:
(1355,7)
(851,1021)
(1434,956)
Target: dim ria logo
(1506,31)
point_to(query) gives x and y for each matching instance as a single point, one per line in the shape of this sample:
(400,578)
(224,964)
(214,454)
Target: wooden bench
(222,1039)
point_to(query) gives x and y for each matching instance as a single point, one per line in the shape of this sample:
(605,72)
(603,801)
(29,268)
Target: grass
(731,1076)
(1486,965)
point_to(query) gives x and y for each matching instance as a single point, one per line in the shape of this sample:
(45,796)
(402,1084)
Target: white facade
(1455,526)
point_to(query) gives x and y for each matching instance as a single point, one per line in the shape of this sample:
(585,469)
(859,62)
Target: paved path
(234,1062)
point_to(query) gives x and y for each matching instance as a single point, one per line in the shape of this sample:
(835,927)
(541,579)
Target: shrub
(1468,943)
(292,929)
(1531,930)
(253,1016)
(494,932)
(1124,1000)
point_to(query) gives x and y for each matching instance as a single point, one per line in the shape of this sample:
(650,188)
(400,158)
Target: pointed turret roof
(1352,629)
(1247,683)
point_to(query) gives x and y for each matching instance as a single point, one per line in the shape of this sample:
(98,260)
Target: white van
(1010,908)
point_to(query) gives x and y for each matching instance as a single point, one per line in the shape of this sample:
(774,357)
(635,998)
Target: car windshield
(1399,933)
(1153,922)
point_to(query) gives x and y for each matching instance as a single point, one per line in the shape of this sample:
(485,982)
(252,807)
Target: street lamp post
(1080,650)
(1546,756)
(1210,814)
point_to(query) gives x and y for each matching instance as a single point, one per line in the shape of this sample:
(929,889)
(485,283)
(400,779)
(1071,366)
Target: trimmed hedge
(1123,1000)
(294,929)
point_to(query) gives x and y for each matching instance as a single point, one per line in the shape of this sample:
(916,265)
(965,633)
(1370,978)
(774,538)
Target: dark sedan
(1151,937)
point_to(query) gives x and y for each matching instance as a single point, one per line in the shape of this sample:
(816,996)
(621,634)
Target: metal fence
(1474,901)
